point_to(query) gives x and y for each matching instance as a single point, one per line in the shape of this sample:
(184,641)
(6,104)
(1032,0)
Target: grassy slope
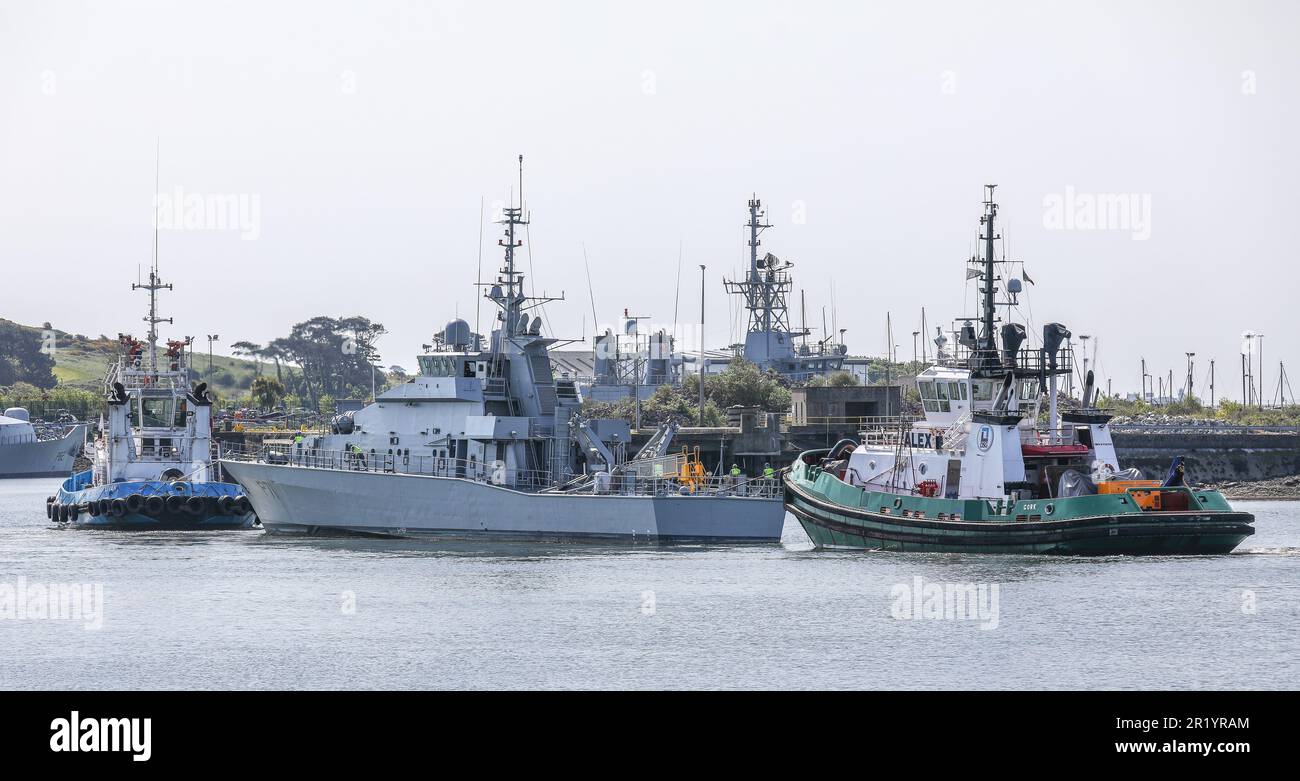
(82,364)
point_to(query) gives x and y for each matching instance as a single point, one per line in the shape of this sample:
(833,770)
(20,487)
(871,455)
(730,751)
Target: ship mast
(513,304)
(154,285)
(766,285)
(988,344)
(507,292)
(757,226)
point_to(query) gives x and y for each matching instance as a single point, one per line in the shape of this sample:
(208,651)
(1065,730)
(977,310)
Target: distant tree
(249,349)
(742,384)
(266,392)
(22,358)
(333,355)
(665,404)
(841,380)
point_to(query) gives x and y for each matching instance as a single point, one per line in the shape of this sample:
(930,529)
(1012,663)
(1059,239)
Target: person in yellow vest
(768,471)
(735,470)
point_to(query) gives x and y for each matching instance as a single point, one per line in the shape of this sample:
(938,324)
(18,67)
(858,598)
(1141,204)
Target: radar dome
(457,334)
(17,413)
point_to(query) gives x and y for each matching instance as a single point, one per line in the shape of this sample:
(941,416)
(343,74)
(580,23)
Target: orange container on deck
(1146,499)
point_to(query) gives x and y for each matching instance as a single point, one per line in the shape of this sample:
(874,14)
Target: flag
(1025,275)
(971,273)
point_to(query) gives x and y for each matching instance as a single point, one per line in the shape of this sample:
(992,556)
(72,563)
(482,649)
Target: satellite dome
(457,334)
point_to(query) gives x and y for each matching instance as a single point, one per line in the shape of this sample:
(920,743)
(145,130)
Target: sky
(359,142)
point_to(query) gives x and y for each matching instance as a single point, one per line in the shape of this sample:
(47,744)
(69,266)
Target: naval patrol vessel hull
(295,499)
(43,457)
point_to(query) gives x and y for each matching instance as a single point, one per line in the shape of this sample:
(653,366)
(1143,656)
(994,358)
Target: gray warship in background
(28,451)
(486,441)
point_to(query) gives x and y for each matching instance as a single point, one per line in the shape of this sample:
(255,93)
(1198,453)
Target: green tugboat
(978,474)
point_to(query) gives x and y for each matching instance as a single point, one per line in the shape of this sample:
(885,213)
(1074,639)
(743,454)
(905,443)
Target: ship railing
(954,438)
(855,422)
(495,473)
(497,387)
(631,484)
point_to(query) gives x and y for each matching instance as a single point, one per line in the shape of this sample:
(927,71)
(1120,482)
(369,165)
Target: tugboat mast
(155,284)
(988,343)
(155,281)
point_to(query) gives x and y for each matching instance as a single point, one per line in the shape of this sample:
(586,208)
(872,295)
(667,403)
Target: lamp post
(211,338)
(1260,393)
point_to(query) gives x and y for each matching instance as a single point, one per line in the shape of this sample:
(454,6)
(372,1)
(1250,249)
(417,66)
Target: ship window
(983,391)
(156,412)
(962,386)
(927,390)
(469,368)
(179,420)
(436,366)
(1029,390)
(942,387)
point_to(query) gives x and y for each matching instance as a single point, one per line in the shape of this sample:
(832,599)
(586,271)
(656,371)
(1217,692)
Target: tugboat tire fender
(194,505)
(117,508)
(154,505)
(226,505)
(134,503)
(175,504)
(242,505)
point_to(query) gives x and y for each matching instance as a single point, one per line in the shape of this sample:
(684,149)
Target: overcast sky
(363,137)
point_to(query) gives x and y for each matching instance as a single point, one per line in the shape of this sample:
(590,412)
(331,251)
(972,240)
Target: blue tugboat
(152,460)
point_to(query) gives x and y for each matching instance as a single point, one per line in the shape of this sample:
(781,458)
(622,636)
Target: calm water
(244,610)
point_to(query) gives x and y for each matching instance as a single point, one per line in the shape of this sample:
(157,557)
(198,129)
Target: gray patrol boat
(486,441)
(29,451)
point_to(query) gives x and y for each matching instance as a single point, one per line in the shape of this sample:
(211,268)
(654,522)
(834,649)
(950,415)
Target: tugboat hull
(834,525)
(150,504)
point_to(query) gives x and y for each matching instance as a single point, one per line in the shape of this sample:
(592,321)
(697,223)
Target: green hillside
(81,361)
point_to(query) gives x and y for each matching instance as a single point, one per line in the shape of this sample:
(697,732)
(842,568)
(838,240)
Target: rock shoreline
(1281,488)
